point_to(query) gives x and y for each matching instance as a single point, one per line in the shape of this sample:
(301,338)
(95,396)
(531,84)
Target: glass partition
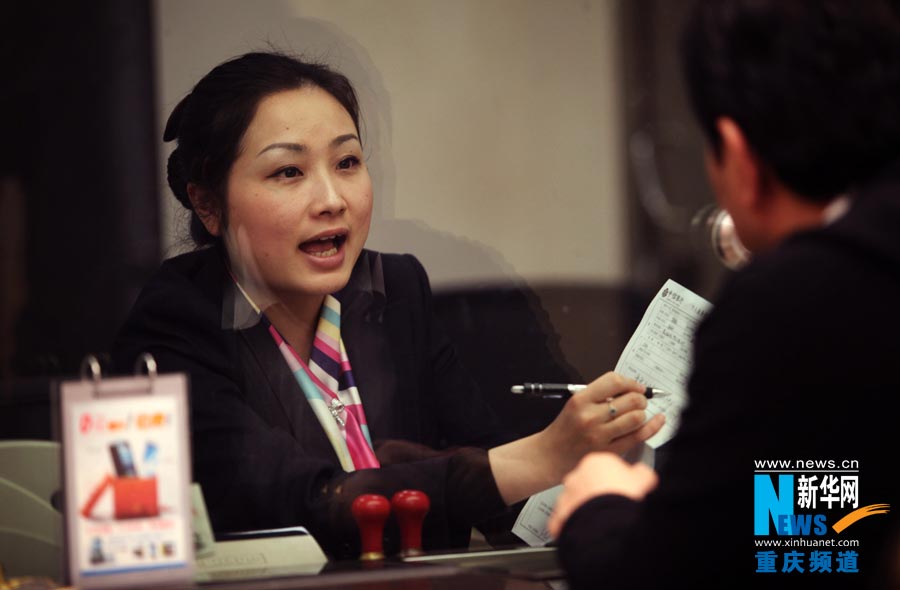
(536,159)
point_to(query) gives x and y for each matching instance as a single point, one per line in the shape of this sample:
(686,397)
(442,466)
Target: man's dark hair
(813,84)
(210,122)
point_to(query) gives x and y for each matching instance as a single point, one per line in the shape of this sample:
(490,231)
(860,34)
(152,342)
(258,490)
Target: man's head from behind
(805,92)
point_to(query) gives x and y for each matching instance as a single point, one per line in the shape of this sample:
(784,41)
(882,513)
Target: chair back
(32,464)
(31,529)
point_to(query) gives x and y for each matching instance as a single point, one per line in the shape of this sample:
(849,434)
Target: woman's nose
(327,198)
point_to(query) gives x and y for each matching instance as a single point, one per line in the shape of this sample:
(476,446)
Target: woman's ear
(206,208)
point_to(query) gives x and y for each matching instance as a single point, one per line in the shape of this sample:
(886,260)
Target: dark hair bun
(177,178)
(173,125)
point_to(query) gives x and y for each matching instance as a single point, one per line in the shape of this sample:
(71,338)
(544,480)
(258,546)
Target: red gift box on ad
(133,497)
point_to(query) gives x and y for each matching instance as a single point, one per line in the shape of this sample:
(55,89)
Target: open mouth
(324,246)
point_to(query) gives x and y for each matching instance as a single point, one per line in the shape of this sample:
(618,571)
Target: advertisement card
(127,481)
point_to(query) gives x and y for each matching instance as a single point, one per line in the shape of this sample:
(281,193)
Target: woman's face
(299,197)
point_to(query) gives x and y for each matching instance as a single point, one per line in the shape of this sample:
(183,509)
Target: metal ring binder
(90,363)
(146,360)
(91,369)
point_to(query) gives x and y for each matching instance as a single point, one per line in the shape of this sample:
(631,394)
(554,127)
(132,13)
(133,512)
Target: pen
(561,390)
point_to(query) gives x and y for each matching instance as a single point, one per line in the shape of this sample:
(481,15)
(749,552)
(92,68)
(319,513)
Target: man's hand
(598,474)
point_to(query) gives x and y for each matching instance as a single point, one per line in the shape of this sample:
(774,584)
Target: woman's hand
(596,475)
(608,415)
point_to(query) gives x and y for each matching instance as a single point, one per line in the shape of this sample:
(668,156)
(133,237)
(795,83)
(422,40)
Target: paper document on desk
(531,524)
(255,554)
(660,352)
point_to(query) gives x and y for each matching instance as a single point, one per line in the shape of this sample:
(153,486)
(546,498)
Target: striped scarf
(328,384)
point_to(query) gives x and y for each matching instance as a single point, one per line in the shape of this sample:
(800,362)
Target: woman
(302,347)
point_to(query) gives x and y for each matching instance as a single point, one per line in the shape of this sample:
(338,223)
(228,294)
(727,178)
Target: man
(793,399)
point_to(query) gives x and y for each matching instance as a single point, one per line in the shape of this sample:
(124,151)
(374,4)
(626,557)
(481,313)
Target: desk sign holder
(126,469)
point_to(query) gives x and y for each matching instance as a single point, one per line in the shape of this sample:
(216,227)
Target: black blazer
(259,452)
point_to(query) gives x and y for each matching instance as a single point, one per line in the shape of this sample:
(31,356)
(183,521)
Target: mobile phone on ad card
(122,459)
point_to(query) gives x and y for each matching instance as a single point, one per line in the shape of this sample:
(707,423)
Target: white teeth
(325,254)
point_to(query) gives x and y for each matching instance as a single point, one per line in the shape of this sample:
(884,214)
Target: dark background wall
(78,167)
(667,184)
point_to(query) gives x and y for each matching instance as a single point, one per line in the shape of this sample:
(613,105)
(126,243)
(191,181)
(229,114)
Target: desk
(420,577)
(526,569)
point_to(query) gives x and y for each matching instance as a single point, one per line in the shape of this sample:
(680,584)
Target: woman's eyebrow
(299,147)
(343,139)
(294,147)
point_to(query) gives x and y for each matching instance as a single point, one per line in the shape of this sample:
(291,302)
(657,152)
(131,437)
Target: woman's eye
(348,162)
(289,172)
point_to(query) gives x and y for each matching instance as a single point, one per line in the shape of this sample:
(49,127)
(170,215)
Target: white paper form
(531,524)
(660,352)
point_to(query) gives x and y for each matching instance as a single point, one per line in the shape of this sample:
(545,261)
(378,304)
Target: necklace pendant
(337,409)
